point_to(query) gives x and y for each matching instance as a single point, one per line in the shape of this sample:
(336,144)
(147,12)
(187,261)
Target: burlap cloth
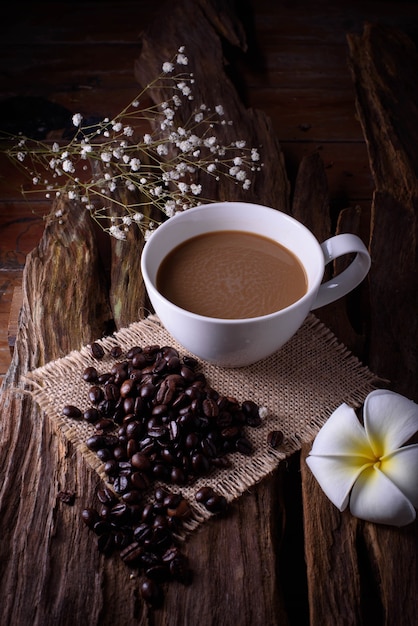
(300,386)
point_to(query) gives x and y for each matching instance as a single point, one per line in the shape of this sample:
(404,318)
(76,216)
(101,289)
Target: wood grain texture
(384,63)
(68,301)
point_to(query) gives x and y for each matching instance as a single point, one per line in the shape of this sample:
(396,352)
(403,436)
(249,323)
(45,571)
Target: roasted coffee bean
(140,481)
(200,463)
(116,352)
(121,484)
(97,351)
(131,554)
(216,503)
(210,407)
(104,378)
(119,513)
(72,411)
(96,394)
(107,497)
(127,388)
(187,373)
(133,351)
(180,509)
(152,593)
(90,375)
(104,424)
(244,446)
(190,362)
(275,438)
(204,493)
(90,517)
(91,415)
(112,391)
(111,467)
(132,497)
(141,462)
(97,442)
(142,532)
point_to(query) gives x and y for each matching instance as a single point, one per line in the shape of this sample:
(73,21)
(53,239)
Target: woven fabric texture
(300,386)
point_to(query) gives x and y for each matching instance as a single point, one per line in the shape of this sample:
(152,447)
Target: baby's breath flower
(167,67)
(167,168)
(77,119)
(117,233)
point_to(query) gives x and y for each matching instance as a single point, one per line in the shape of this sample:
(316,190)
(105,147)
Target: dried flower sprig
(143,151)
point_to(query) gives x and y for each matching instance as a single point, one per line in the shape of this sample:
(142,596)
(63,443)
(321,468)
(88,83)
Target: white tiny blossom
(55,147)
(196,189)
(138,217)
(183,187)
(211,167)
(128,131)
(72,195)
(167,67)
(21,156)
(135,104)
(247,184)
(58,213)
(127,220)
(106,157)
(77,119)
(182,59)
(117,233)
(238,161)
(135,164)
(117,127)
(219,109)
(67,166)
(162,149)
(254,155)
(126,158)
(106,133)
(35,180)
(147,139)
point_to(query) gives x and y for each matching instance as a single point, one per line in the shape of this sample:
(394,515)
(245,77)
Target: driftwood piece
(310,205)
(51,570)
(384,65)
(214,29)
(377,559)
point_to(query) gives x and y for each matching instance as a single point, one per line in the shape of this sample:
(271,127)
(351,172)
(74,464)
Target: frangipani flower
(366,466)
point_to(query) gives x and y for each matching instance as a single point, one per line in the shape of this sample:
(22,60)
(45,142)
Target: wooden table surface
(334,104)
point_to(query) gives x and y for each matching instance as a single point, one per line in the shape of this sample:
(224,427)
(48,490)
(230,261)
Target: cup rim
(150,286)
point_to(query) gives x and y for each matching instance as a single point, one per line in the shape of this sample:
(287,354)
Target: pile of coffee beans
(157,420)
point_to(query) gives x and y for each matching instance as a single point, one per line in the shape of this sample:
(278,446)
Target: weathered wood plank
(384,63)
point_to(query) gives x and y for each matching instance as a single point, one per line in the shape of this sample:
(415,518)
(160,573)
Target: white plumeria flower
(369,467)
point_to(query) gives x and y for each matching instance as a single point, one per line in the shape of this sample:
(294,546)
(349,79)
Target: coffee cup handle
(352,276)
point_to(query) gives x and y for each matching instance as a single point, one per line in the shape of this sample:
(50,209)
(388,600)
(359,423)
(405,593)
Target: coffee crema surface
(231,275)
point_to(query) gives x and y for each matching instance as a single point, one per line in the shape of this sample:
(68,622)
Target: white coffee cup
(240,342)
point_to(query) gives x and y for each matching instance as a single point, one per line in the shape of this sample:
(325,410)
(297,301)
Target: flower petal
(336,476)
(401,467)
(342,434)
(377,499)
(390,419)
